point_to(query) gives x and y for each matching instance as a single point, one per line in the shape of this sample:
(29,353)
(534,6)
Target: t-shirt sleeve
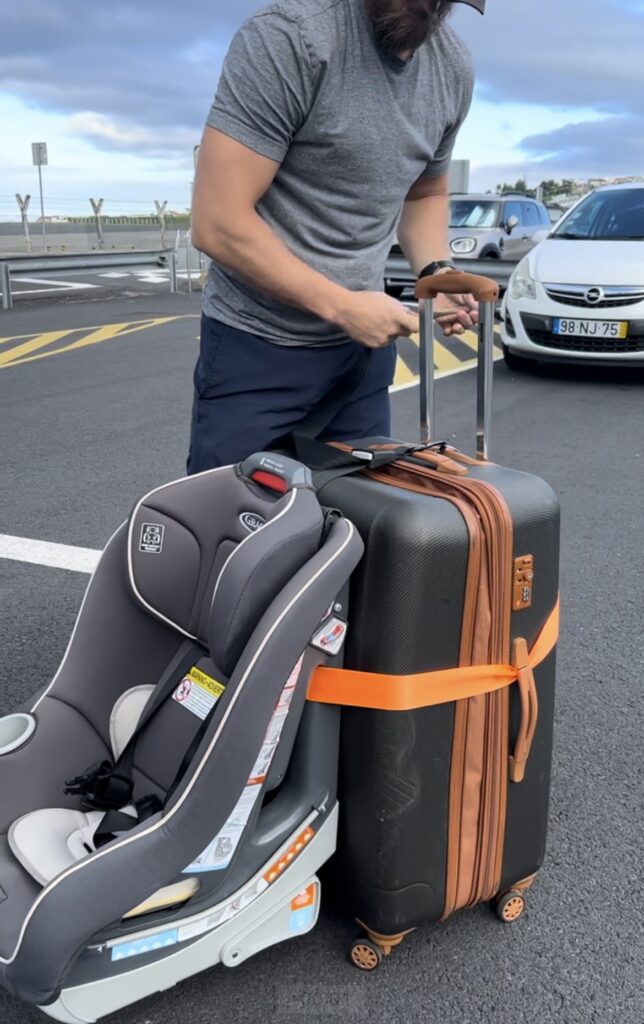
(266,87)
(443,156)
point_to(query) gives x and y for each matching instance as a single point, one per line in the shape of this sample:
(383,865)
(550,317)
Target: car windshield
(604,216)
(473,213)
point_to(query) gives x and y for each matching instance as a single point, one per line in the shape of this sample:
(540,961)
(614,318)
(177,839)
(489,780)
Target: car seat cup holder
(15,730)
(276,473)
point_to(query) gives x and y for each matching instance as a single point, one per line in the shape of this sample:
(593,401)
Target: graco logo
(252,521)
(151,541)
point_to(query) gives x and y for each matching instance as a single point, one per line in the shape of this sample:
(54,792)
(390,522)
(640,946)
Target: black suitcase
(445,775)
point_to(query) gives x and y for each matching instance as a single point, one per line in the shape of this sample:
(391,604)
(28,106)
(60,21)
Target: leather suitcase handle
(456,282)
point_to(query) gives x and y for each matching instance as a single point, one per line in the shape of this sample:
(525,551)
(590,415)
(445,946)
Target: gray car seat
(166,801)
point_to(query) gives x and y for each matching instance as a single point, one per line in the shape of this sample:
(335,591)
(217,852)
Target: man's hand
(375,319)
(456,313)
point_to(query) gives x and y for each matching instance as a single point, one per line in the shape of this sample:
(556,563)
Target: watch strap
(434,267)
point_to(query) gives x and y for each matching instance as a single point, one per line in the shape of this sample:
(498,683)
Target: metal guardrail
(12,265)
(398,273)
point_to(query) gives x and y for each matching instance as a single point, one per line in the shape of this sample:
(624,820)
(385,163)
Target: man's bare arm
(423,229)
(231,179)
(423,234)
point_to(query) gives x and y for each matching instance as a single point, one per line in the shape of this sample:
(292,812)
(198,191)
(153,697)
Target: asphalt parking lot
(94,411)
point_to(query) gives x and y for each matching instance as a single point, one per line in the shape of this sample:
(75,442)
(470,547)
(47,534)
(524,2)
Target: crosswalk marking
(37,342)
(30,350)
(448,356)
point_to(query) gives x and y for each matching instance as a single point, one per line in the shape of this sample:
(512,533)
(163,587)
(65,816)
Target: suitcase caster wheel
(365,955)
(510,906)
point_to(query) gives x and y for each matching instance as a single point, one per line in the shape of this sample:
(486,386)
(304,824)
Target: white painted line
(57,285)
(114,273)
(41,552)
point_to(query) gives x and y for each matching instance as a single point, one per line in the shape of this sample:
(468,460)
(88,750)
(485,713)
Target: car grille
(575,295)
(539,331)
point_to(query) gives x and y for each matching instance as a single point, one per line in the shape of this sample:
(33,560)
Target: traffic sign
(39,154)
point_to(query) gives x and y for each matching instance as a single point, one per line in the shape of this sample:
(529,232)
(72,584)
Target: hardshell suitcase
(448,686)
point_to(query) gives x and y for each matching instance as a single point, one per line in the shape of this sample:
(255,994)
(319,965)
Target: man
(332,128)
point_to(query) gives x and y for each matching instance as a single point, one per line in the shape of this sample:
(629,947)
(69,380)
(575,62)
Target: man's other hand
(456,313)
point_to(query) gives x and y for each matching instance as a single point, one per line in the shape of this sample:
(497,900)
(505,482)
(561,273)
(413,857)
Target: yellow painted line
(17,337)
(471,339)
(403,374)
(40,341)
(470,364)
(107,332)
(444,359)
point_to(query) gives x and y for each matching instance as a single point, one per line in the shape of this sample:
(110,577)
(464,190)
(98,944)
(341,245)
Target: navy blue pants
(250,393)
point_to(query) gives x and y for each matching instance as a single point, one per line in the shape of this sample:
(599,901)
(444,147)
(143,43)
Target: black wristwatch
(433,268)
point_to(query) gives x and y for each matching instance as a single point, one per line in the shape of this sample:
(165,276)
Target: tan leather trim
(483,791)
(458,456)
(469,724)
(479,771)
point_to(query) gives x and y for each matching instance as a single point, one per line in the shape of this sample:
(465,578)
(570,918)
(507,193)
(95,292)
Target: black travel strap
(108,786)
(116,821)
(328,463)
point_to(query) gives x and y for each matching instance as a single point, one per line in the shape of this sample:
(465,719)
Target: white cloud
(121,90)
(98,126)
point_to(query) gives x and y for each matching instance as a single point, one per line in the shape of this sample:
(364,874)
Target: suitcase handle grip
(456,282)
(485,291)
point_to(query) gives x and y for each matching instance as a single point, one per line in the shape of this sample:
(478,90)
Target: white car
(579,295)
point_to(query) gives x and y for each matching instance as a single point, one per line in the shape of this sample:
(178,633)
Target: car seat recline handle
(275,472)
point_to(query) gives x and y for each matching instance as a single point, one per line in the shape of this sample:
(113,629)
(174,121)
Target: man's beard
(404,25)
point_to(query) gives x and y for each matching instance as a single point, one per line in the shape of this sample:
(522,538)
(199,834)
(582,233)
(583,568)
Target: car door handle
(525,238)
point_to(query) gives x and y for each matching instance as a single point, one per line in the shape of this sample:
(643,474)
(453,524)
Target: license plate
(592,328)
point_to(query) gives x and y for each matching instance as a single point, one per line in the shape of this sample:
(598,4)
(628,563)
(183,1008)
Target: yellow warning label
(206,681)
(198,692)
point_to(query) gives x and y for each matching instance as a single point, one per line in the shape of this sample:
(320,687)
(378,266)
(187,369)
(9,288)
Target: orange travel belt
(429,689)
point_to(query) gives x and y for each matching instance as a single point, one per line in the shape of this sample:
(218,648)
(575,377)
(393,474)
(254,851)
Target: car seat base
(287,907)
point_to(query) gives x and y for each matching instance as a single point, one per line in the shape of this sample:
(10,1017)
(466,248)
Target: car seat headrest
(209,553)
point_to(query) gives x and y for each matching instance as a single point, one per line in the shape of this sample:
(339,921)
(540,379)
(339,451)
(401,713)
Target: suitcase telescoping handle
(486,292)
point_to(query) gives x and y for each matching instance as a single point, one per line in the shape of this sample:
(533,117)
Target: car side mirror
(511,224)
(540,236)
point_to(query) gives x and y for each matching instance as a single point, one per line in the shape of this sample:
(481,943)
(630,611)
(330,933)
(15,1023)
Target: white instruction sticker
(276,727)
(219,853)
(198,693)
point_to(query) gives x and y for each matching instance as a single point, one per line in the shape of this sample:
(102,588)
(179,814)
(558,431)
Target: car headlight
(463,245)
(522,283)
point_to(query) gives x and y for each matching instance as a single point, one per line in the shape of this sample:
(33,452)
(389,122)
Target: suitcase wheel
(510,906)
(365,955)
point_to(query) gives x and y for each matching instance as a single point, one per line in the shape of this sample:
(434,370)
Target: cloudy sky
(120,90)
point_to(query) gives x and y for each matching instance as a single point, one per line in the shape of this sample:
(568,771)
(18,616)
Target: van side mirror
(511,224)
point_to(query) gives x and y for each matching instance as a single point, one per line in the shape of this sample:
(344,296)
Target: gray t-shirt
(305,84)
